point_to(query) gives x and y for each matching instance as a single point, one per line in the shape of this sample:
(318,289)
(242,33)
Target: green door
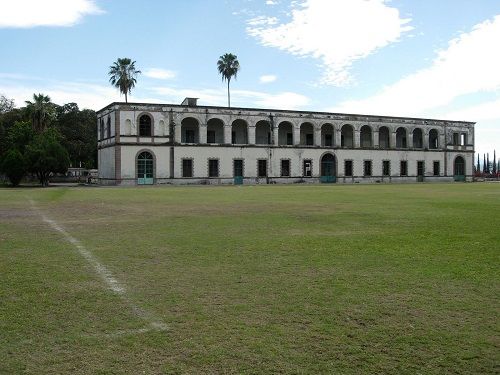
(459,169)
(145,169)
(328,169)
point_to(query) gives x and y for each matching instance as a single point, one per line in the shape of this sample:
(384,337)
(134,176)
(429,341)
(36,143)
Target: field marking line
(108,278)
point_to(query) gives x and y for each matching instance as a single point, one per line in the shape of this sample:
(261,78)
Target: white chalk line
(108,278)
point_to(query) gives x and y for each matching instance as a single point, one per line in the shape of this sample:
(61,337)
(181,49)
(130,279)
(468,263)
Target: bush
(14,166)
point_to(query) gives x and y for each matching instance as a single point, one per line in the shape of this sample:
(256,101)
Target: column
(228,137)
(425,140)
(410,139)
(337,135)
(376,139)
(317,136)
(203,133)
(178,133)
(275,135)
(296,135)
(393,140)
(251,134)
(355,134)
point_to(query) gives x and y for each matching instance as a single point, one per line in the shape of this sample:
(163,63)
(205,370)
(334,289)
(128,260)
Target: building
(140,143)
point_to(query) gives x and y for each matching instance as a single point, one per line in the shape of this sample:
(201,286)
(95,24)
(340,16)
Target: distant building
(140,143)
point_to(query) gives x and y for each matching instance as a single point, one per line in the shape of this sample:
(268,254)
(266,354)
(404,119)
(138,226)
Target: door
(420,171)
(459,169)
(145,168)
(328,168)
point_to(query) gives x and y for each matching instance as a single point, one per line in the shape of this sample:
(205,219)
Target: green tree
(228,66)
(42,112)
(45,156)
(6,104)
(123,75)
(13,166)
(494,164)
(478,166)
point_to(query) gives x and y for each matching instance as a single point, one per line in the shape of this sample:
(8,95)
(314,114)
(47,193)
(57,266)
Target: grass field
(373,279)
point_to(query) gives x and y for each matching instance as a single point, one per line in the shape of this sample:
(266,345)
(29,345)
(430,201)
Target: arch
(327,135)
(347,136)
(285,133)
(459,169)
(145,170)
(433,139)
(215,131)
(401,138)
(384,137)
(365,136)
(263,132)
(328,167)
(418,138)
(239,132)
(108,127)
(128,127)
(307,134)
(145,126)
(190,130)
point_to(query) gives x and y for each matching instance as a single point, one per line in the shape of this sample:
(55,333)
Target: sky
(415,58)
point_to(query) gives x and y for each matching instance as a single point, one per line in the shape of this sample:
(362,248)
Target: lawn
(360,279)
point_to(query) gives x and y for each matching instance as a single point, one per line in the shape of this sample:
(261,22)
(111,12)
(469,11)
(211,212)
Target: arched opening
(401,141)
(383,137)
(144,126)
(263,133)
(145,168)
(189,130)
(328,168)
(239,132)
(347,136)
(215,131)
(307,134)
(327,137)
(285,133)
(433,139)
(365,136)
(459,169)
(418,139)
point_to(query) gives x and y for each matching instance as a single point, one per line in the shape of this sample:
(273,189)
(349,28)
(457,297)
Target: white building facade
(140,143)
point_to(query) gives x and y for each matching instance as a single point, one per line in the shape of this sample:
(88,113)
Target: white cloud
(32,13)
(271,2)
(469,65)
(335,32)
(159,73)
(268,78)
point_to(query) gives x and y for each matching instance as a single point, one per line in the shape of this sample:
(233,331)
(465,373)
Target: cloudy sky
(425,58)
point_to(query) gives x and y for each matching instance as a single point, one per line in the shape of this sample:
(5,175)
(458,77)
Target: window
(101,129)
(144,126)
(403,169)
(307,168)
(420,168)
(210,136)
(285,168)
(262,168)
(435,169)
(309,139)
(328,140)
(456,139)
(187,167)
(463,139)
(190,136)
(289,139)
(238,168)
(367,168)
(213,168)
(386,168)
(348,168)
(108,127)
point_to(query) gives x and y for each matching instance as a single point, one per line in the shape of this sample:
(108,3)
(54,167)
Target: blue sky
(437,59)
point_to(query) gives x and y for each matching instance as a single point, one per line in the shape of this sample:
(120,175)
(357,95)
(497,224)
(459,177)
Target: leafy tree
(123,75)
(6,104)
(41,111)
(228,66)
(20,136)
(14,166)
(45,156)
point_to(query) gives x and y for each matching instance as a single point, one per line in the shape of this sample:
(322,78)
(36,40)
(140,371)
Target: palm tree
(123,75)
(41,111)
(228,65)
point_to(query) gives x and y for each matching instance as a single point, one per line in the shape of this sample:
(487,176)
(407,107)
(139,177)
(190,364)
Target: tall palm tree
(123,75)
(228,66)
(41,111)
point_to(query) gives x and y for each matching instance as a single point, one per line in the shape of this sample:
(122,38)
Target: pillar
(251,134)
(228,138)
(393,140)
(356,140)
(317,136)
(296,135)
(203,133)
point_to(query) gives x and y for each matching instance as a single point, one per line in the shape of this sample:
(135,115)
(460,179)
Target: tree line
(490,168)
(43,138)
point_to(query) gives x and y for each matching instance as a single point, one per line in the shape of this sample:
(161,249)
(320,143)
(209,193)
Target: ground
(360,279)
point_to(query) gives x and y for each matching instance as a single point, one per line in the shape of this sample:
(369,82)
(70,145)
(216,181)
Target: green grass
(373,279)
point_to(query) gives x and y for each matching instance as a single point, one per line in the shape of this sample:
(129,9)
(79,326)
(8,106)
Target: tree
(484,164)
(45,156)
(478,166)
(123,75)
(14,166)
(494,164)
(228,66)
(41,111)
(6,104)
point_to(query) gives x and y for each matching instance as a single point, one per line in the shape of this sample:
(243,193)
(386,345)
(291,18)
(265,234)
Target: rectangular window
(420,168)
(463,139)
(348,168)
(187,167)
(262,168)
(403,169)
(456,139)
(328,140)
(307,168)
(238,168)
(285,168)
(213,168)
(289,139)
(436,168)
(309,139)
(386,168)
(367,168)
(210,136)
(189,136)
